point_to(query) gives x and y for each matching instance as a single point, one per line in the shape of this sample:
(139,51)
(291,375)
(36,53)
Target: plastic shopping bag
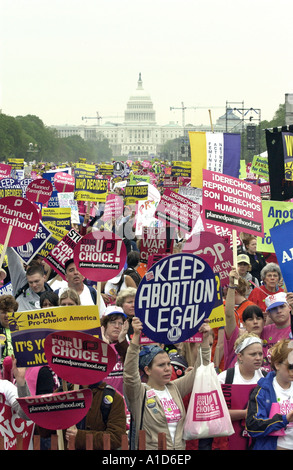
(207,413)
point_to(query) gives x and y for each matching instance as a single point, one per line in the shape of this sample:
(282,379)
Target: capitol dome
(140,107)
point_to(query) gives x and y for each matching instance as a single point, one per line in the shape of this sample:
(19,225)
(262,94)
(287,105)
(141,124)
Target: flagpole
(210,114)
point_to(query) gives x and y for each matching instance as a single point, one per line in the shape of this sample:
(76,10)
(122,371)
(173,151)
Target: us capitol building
(139,136)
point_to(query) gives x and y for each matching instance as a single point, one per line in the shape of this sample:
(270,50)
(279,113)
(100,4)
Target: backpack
(230,375)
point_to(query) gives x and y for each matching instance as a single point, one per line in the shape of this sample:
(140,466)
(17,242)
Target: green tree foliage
(27,137)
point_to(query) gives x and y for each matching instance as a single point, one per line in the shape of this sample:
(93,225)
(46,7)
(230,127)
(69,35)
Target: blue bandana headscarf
(147,354)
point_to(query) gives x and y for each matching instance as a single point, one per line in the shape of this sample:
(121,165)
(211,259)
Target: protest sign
(13,427)
(63,251)
(61,217)
(64,182)
(178,211)
(5,170)
(50,175)
(67,200)
(39,190)
(283,243)
(231,202)
(180,168)
(19,220)
(30,328)
(113,207)
(145,215)
(156,241)
(174,298)
(90,189)
(29,250)
(100,256)
(57,233)
(10,187)
(133,193)
(260,167)
(275,213)
(64,408)
(207,243)
(78,357)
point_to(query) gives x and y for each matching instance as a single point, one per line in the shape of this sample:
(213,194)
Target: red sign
(78,357)
(113,207)
(22,216)
(206,244)
(64,183)
(100,256)
(39,190)
(12,427)
(5,170)
(57,410)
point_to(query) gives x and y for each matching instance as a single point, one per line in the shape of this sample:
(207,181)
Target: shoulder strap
(229,375)
(106,403)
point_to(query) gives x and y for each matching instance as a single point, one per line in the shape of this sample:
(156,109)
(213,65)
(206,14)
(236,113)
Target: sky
(65,59)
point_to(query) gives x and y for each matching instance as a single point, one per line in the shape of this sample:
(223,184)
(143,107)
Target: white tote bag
(207,413)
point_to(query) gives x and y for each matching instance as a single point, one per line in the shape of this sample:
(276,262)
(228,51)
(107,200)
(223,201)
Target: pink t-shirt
(270,336)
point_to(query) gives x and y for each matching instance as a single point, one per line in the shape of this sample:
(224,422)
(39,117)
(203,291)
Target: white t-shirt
(172,412)
(238,379)
(285,400)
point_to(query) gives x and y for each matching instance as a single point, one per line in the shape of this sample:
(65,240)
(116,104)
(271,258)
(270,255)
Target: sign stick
(234,245)
(8,234)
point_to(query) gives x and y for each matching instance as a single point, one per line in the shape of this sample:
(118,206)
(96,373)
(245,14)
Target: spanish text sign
(174,298)
(229,201)
(78,357)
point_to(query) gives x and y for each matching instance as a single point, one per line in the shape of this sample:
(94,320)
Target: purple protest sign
(79,357)
(174,298)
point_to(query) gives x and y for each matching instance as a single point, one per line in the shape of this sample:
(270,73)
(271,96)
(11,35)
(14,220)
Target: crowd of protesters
(151,385)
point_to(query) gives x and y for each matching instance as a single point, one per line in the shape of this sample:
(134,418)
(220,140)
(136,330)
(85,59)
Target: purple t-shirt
(270,336)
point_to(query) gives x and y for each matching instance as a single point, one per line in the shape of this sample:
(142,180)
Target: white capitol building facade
(139,135)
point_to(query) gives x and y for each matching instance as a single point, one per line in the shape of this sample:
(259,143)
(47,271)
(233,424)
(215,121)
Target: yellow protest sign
(274,213)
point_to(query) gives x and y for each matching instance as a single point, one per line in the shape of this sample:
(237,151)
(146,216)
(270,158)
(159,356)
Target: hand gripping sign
(57,410)
(174,298)
(100,256)
(78,357)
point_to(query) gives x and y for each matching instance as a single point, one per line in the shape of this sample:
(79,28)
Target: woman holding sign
(159,400)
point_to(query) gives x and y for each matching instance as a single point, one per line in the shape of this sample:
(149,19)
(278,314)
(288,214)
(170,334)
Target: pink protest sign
(5,170)
(21,217)
(113,207)
(79,357)
(178,211)
(57,410)
(39,190)
(156,241)
(100,256)
(64,183)
(205,244)
(62,252)
(231,202)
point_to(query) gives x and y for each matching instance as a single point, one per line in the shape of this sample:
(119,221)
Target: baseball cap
(242,258)
(275,300)
(114,310)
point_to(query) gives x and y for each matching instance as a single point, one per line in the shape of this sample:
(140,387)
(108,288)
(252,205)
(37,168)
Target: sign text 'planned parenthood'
(174,298)
(229,201)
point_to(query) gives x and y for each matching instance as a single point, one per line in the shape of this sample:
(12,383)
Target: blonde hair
(123,294)
(279,352)
(71,294)
(242,337)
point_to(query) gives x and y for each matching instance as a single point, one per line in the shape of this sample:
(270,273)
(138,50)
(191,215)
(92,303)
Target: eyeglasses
(115,322)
